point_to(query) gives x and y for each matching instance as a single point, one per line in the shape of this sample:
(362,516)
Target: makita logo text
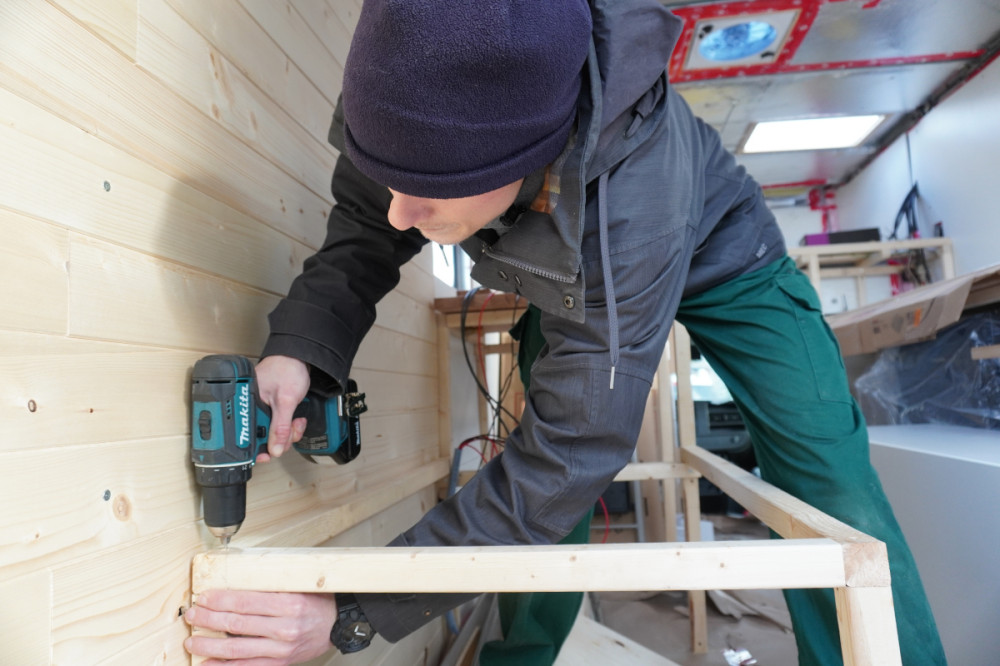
(244,398)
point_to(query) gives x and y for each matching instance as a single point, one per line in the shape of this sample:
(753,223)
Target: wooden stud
(444,387)
(497,301)
(868,635)
(665,434)
(947,258)
(656,471)
(807,563)
(685,399)
(492,320)
(687,438)
(865,560)
(696,598)
(790,517)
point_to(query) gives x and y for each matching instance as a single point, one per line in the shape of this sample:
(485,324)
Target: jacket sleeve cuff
(316,337)
(395,616)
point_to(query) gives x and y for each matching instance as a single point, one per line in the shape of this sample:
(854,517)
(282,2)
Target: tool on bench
(229,424)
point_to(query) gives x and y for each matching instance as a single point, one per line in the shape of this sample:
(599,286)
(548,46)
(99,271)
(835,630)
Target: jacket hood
(634,40)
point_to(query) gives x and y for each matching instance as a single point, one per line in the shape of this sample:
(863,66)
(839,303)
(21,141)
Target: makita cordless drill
(229,424)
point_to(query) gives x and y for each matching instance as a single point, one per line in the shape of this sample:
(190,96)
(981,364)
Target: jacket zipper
(541,272)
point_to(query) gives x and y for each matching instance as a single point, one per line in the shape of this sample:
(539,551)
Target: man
(546,139)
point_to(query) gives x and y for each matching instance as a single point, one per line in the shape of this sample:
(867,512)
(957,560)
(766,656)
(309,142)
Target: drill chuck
(224,491)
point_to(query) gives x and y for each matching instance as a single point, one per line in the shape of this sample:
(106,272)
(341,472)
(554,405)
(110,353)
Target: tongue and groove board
(165,173)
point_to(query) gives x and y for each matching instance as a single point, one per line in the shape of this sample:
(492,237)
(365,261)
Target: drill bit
(224,534)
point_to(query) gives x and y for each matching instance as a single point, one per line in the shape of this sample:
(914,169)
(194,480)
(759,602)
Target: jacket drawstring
(609,287)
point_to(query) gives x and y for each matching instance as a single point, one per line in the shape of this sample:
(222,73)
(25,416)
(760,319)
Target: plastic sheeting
(937,381)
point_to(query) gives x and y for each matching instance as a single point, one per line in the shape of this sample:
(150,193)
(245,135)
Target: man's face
(450,221)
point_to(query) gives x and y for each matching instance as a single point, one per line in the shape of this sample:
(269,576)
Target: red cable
(493,441)
(607,520)
(468,443)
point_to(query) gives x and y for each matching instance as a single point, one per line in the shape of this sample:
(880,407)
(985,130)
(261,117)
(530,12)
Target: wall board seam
(81,160)
(316,184)
(223,46)
(67,92)
(339,58)
(96,33)
(283,48)
(169,262)
(321,138)
(75,232)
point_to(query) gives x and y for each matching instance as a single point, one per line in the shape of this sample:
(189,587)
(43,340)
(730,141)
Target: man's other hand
(265,628)
(282,382)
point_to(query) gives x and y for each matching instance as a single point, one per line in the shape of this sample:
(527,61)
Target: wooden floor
(591,642)
(658,621)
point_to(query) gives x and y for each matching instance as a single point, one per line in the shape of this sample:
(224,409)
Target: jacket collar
(624,80)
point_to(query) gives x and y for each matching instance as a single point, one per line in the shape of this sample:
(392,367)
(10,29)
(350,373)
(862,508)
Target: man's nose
(406,211)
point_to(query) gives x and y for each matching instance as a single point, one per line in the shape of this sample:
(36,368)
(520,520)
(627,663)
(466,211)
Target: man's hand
(266,628)
(282,382)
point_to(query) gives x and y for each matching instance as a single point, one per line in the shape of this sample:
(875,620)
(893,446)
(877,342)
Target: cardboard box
(916,315)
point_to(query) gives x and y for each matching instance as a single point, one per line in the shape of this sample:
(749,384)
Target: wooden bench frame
(816,551)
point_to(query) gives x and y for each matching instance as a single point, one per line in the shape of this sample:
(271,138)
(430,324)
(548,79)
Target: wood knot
(122,508)
(321,582)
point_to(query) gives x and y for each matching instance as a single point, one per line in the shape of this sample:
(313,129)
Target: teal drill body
(229,427)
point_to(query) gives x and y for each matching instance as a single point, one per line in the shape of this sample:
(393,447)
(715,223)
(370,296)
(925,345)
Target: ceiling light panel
(811,134)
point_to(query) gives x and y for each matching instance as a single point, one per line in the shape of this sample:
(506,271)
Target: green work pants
(764,334)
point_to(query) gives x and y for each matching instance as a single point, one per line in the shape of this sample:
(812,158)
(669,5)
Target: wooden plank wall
(164,173)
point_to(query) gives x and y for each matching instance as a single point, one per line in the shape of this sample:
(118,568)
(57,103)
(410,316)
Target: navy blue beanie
(446,99)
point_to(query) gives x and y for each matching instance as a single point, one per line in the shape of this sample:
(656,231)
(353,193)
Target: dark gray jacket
(649,208)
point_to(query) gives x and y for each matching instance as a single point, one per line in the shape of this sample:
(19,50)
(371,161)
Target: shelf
(861,260)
